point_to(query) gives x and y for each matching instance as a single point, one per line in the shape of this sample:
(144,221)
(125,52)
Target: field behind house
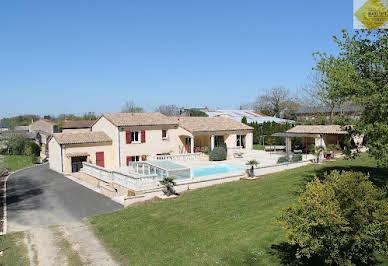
(16,162)
(229,224)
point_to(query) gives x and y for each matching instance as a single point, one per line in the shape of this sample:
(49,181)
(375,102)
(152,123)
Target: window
(240,141)
(135,136)
(132,159)
(188,141)
(135,158)
(164,134)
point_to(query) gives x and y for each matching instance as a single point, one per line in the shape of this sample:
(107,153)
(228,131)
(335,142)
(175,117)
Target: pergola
(289,135)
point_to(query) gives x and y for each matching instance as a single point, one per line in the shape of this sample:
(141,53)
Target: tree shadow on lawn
(287,255)
(378,176)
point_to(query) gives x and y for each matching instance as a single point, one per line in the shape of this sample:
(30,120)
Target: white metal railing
(131,180)
(180,157)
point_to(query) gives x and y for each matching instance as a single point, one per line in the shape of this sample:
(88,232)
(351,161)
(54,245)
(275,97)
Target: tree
(244,120)
(130,107)
(252,164)
(358,73)
(168,183)
(277,102)
(196,112)
(317,98)
(169,110)
(339,221)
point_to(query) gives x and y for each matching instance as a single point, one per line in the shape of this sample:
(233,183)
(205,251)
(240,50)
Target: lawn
(258,147)
(14,251)
(229,224)
(16,162)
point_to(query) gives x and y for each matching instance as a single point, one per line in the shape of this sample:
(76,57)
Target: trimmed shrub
(296,158)
(341,220)
(283,159)
(218,154)
(206,151)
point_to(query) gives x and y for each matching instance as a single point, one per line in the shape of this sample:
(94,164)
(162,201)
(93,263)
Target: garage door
(100,159)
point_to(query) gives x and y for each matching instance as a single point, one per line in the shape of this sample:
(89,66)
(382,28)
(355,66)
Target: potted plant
(168,183)
(252,164)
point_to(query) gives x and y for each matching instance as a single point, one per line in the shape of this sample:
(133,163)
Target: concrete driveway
(39,197)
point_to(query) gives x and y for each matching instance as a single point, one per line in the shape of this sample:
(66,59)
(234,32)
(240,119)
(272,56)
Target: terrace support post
(288,145)
(192,144)
(212,142)
(305,141)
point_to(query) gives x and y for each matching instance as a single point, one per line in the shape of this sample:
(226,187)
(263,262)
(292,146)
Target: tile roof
(318,129)
(210,124)
(140,119)
(81,138)
(78,124)
(44,120)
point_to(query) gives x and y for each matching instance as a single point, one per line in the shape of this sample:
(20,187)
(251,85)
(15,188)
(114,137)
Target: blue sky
(79,56)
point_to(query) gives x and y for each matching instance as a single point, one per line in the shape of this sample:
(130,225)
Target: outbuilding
(69,150)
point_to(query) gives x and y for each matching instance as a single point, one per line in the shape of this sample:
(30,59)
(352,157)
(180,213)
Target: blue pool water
(217,169)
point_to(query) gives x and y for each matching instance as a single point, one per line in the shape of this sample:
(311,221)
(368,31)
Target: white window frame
(133,133)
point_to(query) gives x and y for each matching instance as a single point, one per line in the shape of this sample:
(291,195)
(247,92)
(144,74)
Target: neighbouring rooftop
(81,138)
(210,124)
(251,116)
(77,124)
(44,121)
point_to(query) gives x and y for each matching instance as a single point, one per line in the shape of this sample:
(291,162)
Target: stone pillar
(192,144)
(212,142)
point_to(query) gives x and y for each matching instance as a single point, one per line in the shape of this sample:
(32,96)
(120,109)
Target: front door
(100,159)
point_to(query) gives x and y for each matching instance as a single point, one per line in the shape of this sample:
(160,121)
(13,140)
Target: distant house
(44,125)
(43,128)
(314,113)
(251,116)
(70,126)
(118,139)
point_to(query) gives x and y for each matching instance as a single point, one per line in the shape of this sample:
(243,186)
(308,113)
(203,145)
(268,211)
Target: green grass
(15,252)
(258,147)
(16,162)
(229,224)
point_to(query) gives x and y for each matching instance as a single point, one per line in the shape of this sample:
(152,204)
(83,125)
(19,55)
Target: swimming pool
(217,169)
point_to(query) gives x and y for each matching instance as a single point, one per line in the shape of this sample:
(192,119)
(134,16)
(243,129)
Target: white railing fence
(180,157)
(128,180)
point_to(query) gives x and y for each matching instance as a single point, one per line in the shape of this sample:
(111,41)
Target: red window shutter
(129,160)
(143,136)
(164,133)
(144,157)
(100,159)
(128,137)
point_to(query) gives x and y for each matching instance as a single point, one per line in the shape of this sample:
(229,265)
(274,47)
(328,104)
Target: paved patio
(264,158)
